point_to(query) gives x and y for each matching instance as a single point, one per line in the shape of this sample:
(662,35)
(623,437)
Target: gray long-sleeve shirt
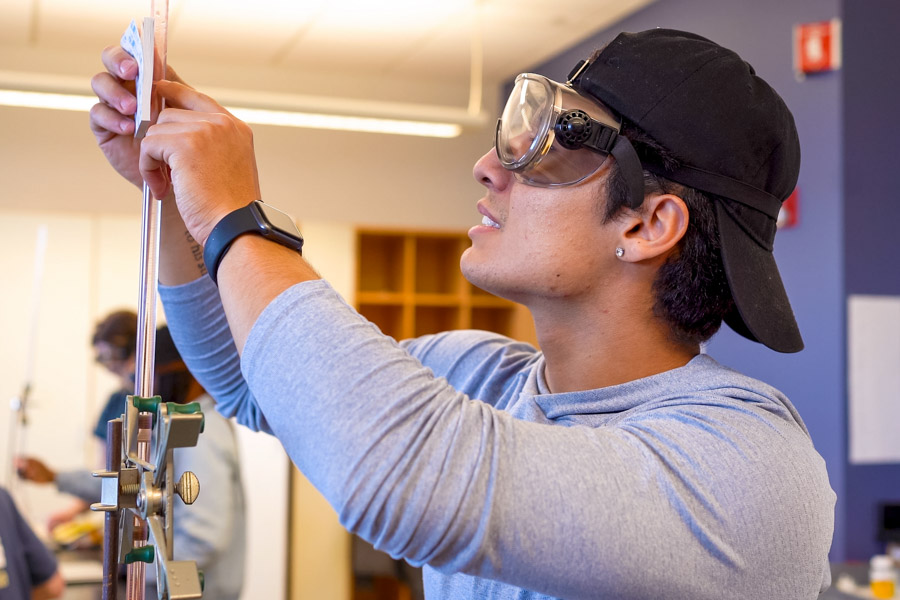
(449,451)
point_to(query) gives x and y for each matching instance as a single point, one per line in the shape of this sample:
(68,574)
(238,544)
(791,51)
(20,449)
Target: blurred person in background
(114,341)
(28,570)
(212,530)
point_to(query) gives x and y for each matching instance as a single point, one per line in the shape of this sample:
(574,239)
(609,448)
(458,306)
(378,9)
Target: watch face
(278,220)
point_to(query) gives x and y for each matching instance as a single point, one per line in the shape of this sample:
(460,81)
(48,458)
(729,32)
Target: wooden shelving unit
(409,284)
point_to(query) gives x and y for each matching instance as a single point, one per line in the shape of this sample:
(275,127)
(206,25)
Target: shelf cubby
(409,284)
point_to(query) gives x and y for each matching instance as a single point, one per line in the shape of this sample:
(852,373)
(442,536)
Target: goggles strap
(576,71)
(630,166)
(575,129)
(724,186)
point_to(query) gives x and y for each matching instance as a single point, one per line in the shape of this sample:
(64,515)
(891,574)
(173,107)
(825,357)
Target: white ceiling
(399,50)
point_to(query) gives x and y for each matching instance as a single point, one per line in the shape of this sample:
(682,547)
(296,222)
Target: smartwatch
(257,217)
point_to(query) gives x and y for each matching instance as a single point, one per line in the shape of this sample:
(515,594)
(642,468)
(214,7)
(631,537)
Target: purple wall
(810,256)
(871,148)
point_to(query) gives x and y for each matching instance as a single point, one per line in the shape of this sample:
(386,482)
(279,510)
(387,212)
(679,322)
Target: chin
(491,282)
(469,272)
(477,274)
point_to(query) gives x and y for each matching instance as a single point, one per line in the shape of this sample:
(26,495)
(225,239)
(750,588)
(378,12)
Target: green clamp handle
(144,554)
(191,408)
(202,579)
(150,405)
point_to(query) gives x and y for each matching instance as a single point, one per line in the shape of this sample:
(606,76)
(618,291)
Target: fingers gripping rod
(139,490)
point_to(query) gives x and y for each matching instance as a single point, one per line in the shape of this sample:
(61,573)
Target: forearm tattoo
(197,251)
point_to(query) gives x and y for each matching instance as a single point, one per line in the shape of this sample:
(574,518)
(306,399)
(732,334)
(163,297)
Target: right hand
(32,469)
(65,515)
(200,153)
(112,119)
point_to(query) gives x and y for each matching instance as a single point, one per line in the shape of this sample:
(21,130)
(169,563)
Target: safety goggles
(550,135)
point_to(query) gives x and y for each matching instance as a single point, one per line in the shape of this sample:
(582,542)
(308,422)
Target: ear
(654,229)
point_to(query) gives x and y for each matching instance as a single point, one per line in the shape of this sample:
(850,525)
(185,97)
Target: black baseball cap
(734,138)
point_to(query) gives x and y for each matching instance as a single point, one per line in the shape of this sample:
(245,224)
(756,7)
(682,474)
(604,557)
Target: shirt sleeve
(488,367)
(200,330)
(427,473)
(41,562)
(80,483)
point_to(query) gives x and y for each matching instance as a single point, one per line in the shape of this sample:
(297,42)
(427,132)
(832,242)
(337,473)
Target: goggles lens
(526,139)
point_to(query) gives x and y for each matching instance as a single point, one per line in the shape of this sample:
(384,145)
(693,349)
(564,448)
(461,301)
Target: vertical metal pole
(110,589)
(145,363)
(19,419)
(146,339)
(136,572)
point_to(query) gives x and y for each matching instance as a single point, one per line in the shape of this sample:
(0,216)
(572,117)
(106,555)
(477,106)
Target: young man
(631,210)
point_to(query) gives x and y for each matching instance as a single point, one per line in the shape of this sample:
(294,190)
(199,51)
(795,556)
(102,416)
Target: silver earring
(620,252)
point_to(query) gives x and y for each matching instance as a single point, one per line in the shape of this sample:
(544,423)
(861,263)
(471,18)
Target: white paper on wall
(873,354)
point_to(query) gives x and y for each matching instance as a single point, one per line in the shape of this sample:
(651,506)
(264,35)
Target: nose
(490,173)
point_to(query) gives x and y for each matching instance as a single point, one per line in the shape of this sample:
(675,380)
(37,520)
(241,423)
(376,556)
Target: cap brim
(762,310)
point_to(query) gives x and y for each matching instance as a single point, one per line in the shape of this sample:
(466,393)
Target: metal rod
(19,420)
(160,9)
(136,573)
(152,209)
(146,339)
(17,423)
(110,589)
(39,254)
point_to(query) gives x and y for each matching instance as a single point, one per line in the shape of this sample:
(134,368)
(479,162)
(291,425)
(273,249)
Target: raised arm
(197,131)
(427,473)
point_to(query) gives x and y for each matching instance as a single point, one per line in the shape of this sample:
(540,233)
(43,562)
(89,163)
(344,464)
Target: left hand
(210,155)
(32,469)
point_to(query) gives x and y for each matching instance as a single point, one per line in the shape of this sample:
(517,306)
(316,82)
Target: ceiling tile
(227,30)
(319,45)
(63,22)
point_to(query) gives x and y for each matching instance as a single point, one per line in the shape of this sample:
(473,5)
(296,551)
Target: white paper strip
(140,46)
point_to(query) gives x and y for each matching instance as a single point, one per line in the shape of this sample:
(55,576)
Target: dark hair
(173,385)
(173,380)
(119,330)
(691,291)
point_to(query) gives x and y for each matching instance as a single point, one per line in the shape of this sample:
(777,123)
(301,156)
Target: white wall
(267,483)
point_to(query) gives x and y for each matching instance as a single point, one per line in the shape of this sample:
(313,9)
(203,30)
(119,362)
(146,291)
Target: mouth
(486,220)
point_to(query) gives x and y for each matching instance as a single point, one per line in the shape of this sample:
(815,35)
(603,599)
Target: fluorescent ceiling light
(285,118)
(46,100)
(346,123)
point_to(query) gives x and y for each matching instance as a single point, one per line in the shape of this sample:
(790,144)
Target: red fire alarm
(789,215)
(817,47)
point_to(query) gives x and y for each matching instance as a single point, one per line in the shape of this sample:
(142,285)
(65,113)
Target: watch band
(248,219)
